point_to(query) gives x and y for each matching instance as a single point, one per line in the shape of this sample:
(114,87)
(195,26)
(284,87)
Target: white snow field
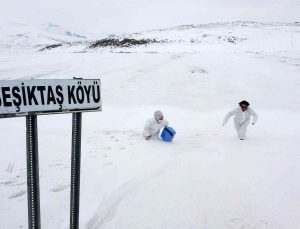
(207,178)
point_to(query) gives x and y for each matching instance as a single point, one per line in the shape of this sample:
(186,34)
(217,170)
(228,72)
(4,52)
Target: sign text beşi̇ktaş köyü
(40,96)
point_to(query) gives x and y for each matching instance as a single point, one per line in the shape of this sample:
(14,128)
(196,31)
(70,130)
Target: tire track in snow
(109,205)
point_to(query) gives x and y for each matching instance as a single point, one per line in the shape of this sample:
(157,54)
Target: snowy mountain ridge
(15,35)
(56,29)
(192,38)
(183,38)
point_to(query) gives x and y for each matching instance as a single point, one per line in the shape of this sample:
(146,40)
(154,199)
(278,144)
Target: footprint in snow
(261,224)
(65,167)
(198,70)
(60,188)
(13,183)
(54,165)
(18,184)
(10,182)
(17,194)
(239,223)
(107,164)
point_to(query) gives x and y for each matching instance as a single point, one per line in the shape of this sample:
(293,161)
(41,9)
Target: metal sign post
(33,188)
(30,98)
(75,171)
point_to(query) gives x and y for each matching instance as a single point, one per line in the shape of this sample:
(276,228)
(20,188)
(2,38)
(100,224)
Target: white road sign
(20,97)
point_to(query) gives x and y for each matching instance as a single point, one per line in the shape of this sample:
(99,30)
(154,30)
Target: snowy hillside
(193,38)
(206,178)
(19,37)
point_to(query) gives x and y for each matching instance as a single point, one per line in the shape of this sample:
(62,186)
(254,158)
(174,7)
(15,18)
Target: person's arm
(166,123)
(255,116)
(146,131)
(228,116)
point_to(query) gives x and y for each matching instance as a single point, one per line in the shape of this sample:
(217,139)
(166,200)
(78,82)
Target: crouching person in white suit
(153,125)
(241,118)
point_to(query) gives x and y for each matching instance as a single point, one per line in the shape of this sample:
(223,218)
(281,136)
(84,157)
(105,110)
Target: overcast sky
(116,16)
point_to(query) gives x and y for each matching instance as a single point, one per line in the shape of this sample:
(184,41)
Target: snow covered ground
(206,178)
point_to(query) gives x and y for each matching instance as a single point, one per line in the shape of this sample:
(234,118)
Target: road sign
(23,97)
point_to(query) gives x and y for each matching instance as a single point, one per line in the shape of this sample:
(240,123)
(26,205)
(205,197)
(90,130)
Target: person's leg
(237,127)
(155,136)
(243,130)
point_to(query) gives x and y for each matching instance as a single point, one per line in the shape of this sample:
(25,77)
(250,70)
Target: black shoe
(241,139)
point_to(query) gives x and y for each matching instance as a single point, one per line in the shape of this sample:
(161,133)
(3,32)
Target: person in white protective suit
(241,118)
(153,125)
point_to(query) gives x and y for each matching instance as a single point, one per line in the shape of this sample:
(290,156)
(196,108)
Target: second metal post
(75,171)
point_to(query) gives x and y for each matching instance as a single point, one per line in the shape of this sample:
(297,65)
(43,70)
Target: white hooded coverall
(241,120)
(153,125)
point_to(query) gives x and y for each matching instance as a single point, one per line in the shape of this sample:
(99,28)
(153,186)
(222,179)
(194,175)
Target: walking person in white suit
(241,118)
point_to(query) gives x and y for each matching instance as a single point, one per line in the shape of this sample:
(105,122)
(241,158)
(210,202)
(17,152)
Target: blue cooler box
(168,134)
